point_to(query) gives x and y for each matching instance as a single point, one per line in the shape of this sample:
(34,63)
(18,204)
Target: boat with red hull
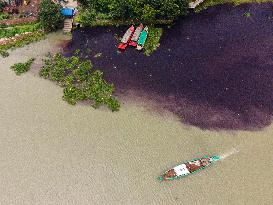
(126,38)
(135,37)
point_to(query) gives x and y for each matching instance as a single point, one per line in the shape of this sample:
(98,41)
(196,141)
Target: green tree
(145,10)
(50,16)
(149,14)
(118,9)
(87,16)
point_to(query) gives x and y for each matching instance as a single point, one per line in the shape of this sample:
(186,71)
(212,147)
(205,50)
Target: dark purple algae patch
(213,69)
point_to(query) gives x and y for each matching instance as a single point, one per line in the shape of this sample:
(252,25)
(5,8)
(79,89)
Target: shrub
(80,81)
(138,9)
(149,14)
(4,16)
(86,17)
(50,16)
(247,14)
(153,40)
(4,53)
(20,68)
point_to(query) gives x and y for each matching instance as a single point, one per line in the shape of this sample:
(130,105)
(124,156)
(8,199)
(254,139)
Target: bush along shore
(20,68)
(80,81)
(153,40)
(103,12)
(208,3)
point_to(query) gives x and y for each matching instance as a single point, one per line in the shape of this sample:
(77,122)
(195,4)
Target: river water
(55,153)
(213,69)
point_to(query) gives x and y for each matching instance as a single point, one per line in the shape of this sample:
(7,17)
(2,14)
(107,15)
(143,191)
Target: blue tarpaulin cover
(67,11)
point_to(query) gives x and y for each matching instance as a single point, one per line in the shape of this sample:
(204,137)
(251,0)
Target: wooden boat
(188,168)
(126,38)
(133,41)
(142,38)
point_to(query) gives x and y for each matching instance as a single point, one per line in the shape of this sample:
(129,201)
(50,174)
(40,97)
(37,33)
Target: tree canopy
(138,9)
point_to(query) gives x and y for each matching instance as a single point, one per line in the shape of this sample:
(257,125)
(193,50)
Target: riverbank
(101,22)
(209,3)
(54,153)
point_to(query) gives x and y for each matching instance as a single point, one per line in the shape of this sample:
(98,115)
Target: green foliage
(170,9)
(80,81)
(18,24)
(86,17)
(147,11)
(247,14)
(117,9)
(153,40)
(4,16)
(12,31)
(149,14)
(4,53)
(209,3)
(35,36)
(20,68)
(50,16)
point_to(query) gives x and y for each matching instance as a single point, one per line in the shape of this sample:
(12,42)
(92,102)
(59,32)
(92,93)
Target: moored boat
(126,38)
(134,39)
(189,167)
(142,38)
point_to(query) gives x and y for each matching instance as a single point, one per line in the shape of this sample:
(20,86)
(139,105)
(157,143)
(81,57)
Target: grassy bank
(13,30)
(22,40)
(209,3)
(107,22)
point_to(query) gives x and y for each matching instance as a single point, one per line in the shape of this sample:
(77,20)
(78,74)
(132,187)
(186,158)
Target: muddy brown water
(54,153)
(213,69)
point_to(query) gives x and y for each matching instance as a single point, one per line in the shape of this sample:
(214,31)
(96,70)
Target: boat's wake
(229,153)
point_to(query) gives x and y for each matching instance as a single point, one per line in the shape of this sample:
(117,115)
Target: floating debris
(98,55)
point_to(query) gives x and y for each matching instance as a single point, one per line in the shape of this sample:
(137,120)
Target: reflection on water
(213,69)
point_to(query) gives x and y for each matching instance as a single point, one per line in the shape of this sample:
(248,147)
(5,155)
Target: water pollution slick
(189,167)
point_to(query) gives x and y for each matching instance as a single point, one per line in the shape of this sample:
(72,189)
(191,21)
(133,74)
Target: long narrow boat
(126,38)
(188,168)
(133,41)
(142,38)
